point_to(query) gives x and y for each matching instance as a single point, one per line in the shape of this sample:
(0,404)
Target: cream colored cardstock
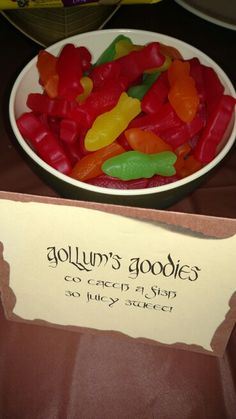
(73,266)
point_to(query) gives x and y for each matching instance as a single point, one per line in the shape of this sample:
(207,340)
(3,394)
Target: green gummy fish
(135,165)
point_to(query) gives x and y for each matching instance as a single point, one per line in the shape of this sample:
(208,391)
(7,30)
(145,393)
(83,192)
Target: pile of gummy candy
(140,116)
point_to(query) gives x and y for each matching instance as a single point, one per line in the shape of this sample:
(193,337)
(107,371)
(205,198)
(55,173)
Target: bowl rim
(122,192)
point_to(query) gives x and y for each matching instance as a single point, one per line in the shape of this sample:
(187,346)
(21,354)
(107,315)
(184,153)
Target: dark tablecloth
(46,373)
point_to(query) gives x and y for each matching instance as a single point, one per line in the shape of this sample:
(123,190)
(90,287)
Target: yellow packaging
(29,4)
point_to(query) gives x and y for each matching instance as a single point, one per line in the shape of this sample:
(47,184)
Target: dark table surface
(53,374)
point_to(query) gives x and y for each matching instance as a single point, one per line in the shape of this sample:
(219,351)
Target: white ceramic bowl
(157,197)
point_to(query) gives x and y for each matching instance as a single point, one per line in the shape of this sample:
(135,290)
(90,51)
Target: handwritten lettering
(72,293)
(149,306)
(156,291)
(153,295)
(82,260)
(167,269)
(108,284)
(102,298)
(70,278)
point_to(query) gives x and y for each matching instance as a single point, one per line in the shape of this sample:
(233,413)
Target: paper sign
(85,268)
